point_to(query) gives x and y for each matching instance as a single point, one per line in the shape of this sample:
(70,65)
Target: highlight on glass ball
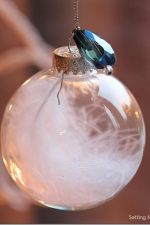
(80,151)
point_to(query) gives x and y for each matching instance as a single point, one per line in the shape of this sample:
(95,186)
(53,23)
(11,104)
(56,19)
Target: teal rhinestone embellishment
(94,49)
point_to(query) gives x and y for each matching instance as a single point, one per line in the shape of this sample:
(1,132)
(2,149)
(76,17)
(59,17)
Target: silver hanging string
(76,14)
(76,25)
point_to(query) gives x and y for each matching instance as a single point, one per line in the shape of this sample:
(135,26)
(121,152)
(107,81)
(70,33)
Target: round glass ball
(80,153)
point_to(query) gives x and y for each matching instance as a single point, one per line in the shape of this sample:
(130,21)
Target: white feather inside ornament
(80,153)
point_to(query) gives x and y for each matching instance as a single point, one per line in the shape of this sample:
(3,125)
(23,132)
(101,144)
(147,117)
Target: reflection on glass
(77,154)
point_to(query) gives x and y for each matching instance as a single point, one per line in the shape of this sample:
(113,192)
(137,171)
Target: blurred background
(29,30)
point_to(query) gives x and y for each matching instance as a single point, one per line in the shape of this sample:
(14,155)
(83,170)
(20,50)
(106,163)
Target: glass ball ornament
(77,154)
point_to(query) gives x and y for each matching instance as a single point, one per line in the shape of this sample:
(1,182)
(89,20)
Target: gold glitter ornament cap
(70,61)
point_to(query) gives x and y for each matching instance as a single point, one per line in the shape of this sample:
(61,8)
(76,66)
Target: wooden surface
(125,24)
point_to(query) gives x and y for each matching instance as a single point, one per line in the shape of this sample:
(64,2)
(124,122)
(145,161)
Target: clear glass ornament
(80,153)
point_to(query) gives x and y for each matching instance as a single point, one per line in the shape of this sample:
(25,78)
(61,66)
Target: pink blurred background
(24,50)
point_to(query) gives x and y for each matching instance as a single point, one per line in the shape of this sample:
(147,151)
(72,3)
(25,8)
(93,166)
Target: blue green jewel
(94,49)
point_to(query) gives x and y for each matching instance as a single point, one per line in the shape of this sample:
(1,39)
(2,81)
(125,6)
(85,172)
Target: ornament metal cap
(70,61)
